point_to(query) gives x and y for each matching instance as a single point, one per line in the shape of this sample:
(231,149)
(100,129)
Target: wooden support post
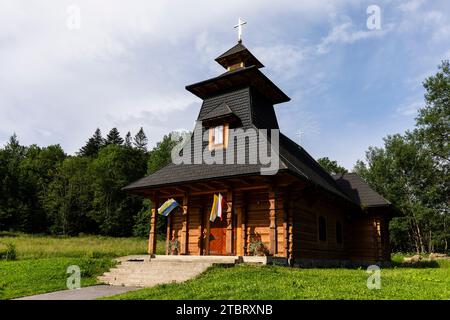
(291,255)
(169,233)
(229,232)
(185,226)
(244,230)
(286,212)
(239,231)
(152,235)
(273,223)
(200,232)
(207,233)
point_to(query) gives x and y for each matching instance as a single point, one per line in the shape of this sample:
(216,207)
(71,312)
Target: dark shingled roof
(293,159)
(176,174)
(359,190)
(221,110)
(238,53)
(233,50)
(247,76)
(299,161)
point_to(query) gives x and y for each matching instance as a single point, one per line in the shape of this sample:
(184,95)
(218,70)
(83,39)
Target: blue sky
(127,66)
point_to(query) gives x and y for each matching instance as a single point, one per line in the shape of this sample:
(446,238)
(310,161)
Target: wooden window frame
(224,144)
(338,221)
(326,229)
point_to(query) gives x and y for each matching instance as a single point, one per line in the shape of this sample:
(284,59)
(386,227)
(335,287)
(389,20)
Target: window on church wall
(218,137)
(339,238)
(322,228)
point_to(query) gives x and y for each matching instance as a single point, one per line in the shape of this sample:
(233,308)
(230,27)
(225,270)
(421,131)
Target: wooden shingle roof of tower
(237,55)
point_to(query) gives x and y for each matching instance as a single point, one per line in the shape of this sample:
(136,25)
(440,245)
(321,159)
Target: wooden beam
(239,245)
(207,232)
(273,222)
(152,235)
(206,186)
(244,230)
(219,184)
(200,231)
(169,233)
(229,231)
(291,256)
(212,191)
(243,181)
(249,188)
(185,225)
(286,212)
(180,189)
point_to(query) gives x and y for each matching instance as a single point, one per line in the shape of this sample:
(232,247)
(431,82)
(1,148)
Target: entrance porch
(254,212)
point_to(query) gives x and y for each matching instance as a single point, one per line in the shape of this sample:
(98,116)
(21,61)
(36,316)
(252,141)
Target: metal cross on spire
(239,27)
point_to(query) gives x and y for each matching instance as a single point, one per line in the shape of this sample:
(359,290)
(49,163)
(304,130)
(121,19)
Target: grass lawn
(42,261)
(271,282)
(34,276)
(36,247)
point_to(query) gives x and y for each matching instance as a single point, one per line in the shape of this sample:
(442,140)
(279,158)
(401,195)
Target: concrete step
(141,282)
(155,273)
(136,280)
(164,264)
(143,271)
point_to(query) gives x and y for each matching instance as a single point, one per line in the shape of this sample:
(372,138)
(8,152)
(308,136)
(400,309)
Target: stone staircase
(144,271)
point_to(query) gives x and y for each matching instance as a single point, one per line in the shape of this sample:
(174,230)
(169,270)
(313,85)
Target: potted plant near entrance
(258,248)
(174,246)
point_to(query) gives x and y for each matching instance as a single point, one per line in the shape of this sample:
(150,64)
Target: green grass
(37,247)
(28,277)
(43,261)
(270,282)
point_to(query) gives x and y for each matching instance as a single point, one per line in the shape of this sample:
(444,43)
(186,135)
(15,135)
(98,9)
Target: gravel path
(86,293)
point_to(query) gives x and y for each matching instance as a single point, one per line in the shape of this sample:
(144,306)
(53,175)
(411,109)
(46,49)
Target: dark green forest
(411,171)
(44,190)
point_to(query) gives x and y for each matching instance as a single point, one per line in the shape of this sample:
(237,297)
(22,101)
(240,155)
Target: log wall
(295,215)
(306,229)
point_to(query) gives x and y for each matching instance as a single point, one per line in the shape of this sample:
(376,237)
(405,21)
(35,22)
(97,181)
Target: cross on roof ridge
(239,27)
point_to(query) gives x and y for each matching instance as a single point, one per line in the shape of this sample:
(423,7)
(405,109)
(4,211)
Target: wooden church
(300,214)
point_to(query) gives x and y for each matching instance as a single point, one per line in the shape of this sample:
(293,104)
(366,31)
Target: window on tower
(218,137)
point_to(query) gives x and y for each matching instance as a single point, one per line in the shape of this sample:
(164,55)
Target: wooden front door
(217,237)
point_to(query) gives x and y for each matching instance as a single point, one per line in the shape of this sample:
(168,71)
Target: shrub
(8,251)
(258,248)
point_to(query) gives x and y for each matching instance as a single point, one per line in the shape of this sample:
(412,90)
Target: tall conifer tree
(93,145)
(114,137)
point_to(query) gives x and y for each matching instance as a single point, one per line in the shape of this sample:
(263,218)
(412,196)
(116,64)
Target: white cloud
(347,33)
(411,6)
(127,61)
(284,60)
(410,109)
(128,64)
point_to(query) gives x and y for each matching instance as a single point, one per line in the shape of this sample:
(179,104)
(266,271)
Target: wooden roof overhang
(210,186)
(312,190)
(242,77)
(219,115)
(229,118)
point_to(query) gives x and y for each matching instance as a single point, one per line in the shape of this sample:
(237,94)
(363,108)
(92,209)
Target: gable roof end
(359,190)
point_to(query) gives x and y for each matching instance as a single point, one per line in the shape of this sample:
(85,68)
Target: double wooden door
(217,237)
